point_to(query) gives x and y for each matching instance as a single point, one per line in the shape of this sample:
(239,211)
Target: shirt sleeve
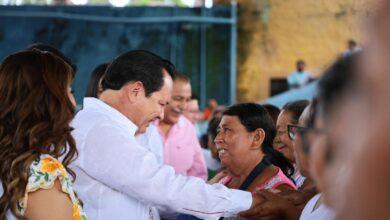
(199,168)
(113,157)
(290,80)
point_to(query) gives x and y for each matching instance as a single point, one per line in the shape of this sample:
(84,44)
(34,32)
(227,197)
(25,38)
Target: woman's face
(233,141)
(282,142)
(211,145)
(318,153)
(302,158)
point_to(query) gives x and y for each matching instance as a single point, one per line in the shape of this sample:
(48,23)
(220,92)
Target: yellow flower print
(50,165)
(76,212)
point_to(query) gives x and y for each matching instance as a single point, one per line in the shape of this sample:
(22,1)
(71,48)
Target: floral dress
(42,174)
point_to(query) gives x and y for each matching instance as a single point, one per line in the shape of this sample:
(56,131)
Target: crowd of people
(139,148)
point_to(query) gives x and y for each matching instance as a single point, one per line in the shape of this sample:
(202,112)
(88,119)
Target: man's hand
(273,206)
(299,198)
(218,177)
(256,207)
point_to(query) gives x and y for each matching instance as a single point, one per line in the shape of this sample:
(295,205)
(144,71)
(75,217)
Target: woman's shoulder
(276,180)
(267,174)
(44,172)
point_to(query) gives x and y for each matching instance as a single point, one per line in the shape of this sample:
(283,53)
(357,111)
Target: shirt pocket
(183,156)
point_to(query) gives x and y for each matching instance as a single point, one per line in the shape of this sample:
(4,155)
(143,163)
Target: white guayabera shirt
(119,179)
(152,141)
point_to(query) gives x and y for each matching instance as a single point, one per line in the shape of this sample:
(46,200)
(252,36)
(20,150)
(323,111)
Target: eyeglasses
(292,131)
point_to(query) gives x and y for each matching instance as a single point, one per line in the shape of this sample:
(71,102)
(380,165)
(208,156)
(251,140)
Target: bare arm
(49,204)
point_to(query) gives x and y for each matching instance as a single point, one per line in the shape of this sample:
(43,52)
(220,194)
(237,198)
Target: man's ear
(134,91)
(258,138)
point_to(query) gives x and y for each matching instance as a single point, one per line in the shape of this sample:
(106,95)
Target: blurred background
(233,51)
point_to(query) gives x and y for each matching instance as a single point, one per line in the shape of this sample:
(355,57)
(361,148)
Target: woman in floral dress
(36,107)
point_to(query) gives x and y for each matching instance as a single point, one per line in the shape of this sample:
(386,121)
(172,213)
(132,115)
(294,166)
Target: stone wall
(273,34)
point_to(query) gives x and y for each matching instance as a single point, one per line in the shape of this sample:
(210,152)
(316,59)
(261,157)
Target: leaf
(20,208)
(46,177)
(30,172)
(37,178)
(36,161)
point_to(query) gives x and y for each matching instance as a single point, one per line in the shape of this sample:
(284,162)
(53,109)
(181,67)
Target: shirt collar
(97,104)
(180,123)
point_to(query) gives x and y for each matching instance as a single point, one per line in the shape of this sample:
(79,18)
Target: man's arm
(274,206)
(114,158)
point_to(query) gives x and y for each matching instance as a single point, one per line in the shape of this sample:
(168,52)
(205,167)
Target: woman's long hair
(95,80)
(253,116)
(35,116)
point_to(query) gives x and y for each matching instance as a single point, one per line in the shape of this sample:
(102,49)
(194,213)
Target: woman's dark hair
(253,116)
(273,111)
(296,108)
(53,50)
(96,76)
(35,116)
(213,126)
(312,114)
(336,79)
(137,65)
(334,82)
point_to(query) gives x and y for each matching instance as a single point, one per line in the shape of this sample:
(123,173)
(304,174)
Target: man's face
(152,108)
(351,45)
(318,150)
(363,120)
(301,67)
(181,95)
(192,112)
(213,103)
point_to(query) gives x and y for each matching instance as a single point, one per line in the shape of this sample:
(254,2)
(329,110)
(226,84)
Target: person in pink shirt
(181,146)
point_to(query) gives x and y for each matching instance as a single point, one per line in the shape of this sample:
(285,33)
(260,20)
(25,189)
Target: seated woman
(36,107)
(289,116)
(244,142)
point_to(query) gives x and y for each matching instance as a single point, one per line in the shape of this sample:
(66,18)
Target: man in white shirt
(119,179)
(300,77)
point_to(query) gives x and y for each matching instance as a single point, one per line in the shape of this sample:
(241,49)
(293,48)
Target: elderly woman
(283,143)
(244,142)
(289,205)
